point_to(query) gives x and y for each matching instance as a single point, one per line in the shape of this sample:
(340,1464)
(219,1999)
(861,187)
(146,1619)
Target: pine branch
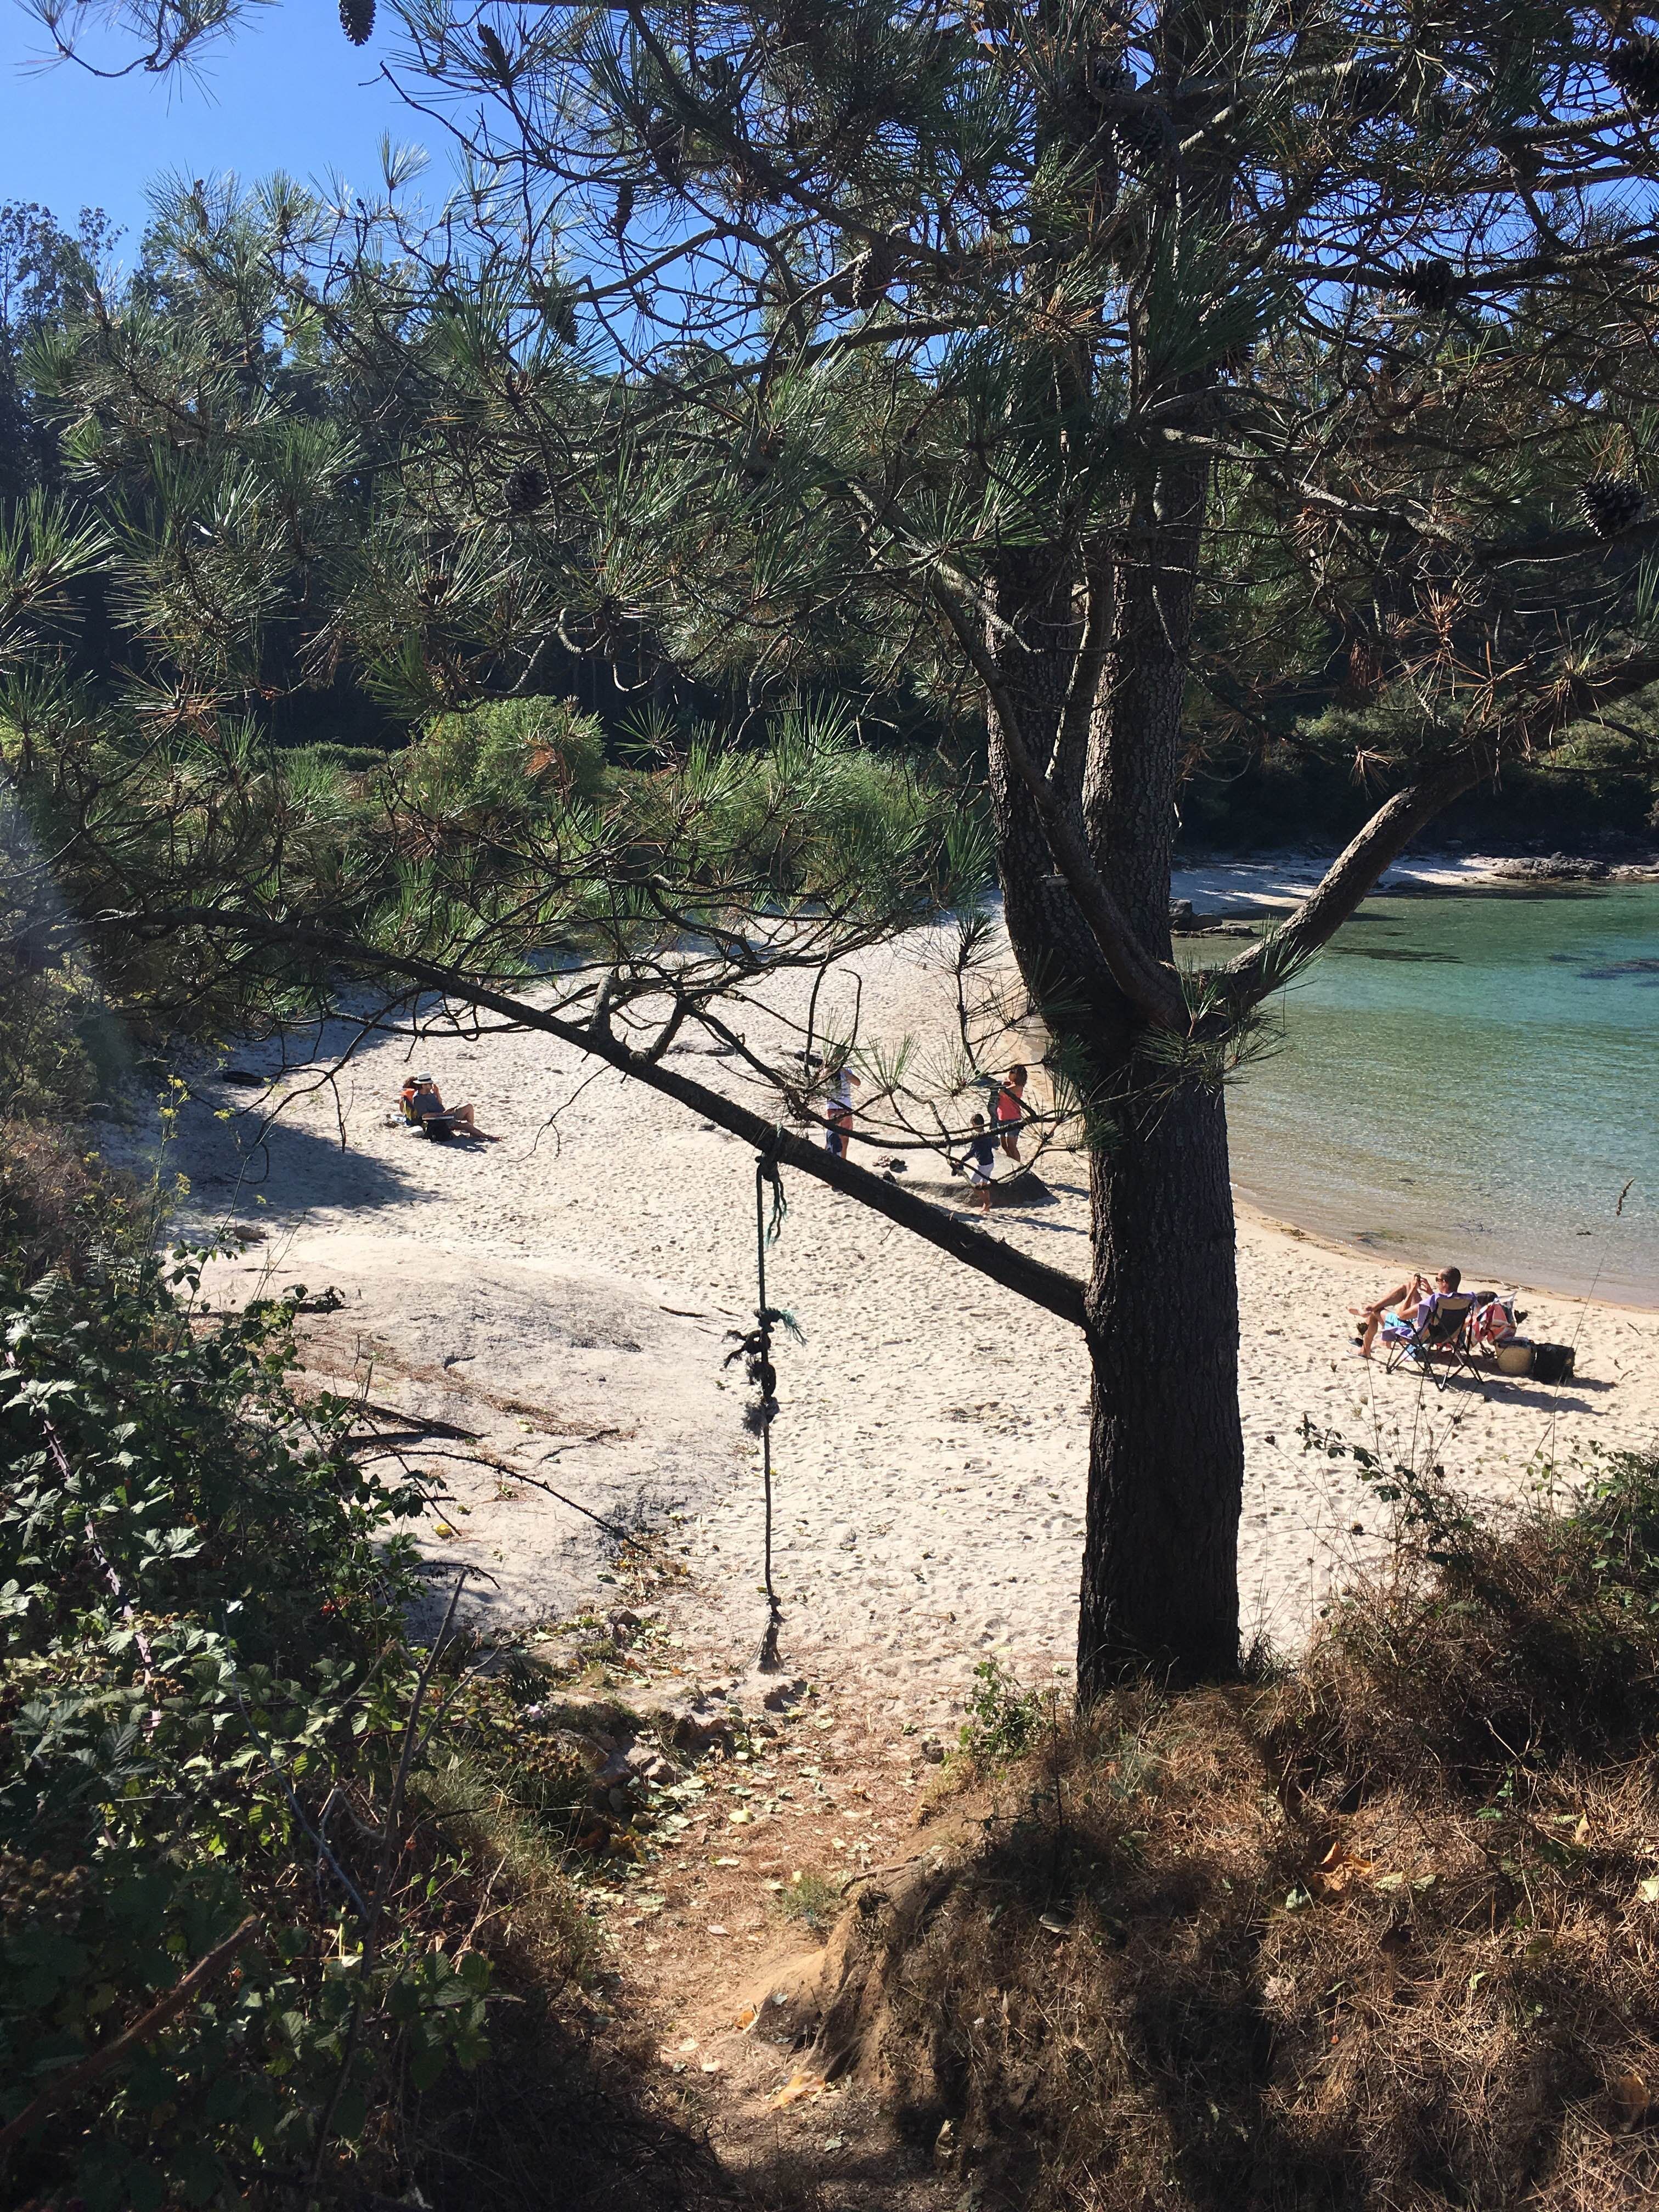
(1051,1288)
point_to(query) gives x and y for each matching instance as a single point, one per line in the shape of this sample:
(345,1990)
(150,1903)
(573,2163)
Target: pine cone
(1142,133)
(870,276)
(1105,73)
(624,210)
(666,143)
(525,489)
(1633,66)
(763,451)
(357,20)
(1367,92)
(1612,504)
(494,52)
(1364,677)
(1429,282)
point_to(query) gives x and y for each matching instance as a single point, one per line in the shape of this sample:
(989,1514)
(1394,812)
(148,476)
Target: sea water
(1470,1079)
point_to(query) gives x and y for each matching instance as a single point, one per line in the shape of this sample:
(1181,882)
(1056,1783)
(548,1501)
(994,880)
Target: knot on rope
(754,1348)
(767,1172)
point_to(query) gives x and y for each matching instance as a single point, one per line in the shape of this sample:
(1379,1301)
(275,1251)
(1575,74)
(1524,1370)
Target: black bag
(1552,1363)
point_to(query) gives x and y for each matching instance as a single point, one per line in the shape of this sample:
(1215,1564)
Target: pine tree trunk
(1159,1585)
(1166,1457)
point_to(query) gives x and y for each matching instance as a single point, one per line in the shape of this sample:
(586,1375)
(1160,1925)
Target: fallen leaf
(1648,1890)
(798,2086)
(1054,1925)
(1581,1833)
(745,2018)
(710,2066)
(1632,2098)
(689,2044)
(728,1862)
(1339,1870)
(714,1929)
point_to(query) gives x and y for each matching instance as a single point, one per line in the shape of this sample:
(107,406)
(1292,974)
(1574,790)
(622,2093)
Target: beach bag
(1513,1358)
(1552,1363)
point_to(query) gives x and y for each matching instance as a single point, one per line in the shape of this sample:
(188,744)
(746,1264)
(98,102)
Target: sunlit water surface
(1472,1078)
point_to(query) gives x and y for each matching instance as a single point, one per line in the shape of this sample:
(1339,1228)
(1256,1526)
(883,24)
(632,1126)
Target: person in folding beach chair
(1440,1324)
(1392,1306)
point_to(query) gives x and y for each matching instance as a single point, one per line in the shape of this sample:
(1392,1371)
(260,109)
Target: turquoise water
(1474,1079)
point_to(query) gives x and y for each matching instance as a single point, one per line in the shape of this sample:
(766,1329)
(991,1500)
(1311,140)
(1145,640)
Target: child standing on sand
(980,1164)
(838,1112)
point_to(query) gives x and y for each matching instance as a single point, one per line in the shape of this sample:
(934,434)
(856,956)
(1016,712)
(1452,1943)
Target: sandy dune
(564,1295)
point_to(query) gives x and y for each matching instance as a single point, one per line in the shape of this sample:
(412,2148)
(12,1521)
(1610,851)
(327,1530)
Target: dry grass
(58,1207)
(1381,1933)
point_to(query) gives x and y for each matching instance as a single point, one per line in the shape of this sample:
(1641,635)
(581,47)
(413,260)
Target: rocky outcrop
(1552,868)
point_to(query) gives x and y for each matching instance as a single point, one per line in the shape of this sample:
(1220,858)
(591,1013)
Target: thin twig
(147,2026)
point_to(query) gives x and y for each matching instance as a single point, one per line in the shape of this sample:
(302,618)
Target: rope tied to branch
(754,1348)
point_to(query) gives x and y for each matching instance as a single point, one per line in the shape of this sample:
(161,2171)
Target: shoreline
(1238,896)
(1247,1210)
(1236,887)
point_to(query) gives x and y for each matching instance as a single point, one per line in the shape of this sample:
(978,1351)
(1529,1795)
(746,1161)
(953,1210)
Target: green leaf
(427,2064)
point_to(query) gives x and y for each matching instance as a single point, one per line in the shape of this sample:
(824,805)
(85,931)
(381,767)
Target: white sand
(931,1445)
(1236,888)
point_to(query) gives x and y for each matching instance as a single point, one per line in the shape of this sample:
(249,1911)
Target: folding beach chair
(1445,1329)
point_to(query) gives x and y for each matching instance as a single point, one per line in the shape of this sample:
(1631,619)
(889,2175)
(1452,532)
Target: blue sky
(287,91)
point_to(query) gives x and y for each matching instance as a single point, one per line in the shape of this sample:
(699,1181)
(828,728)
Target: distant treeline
(1290,778)
(1586,794)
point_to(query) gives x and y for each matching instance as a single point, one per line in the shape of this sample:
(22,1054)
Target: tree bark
(1166,1457)
(1159,1576)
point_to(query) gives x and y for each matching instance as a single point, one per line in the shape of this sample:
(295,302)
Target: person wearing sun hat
(423,1101)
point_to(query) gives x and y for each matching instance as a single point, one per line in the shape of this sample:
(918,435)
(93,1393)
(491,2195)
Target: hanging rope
(754,1349)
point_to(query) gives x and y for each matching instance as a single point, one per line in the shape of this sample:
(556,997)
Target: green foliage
(1003,1719)
(200,1601)
(509,761)
(816,1900)
(502,1733)
(59,1209)
(1528,1643)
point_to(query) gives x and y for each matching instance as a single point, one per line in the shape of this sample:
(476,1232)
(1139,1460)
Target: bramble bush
(206,1695)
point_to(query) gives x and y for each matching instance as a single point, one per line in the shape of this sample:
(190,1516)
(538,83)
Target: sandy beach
(564,1296)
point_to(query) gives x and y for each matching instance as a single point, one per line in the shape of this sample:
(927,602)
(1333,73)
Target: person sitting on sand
(1393,1306)
(980,1163)
(425,1103)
